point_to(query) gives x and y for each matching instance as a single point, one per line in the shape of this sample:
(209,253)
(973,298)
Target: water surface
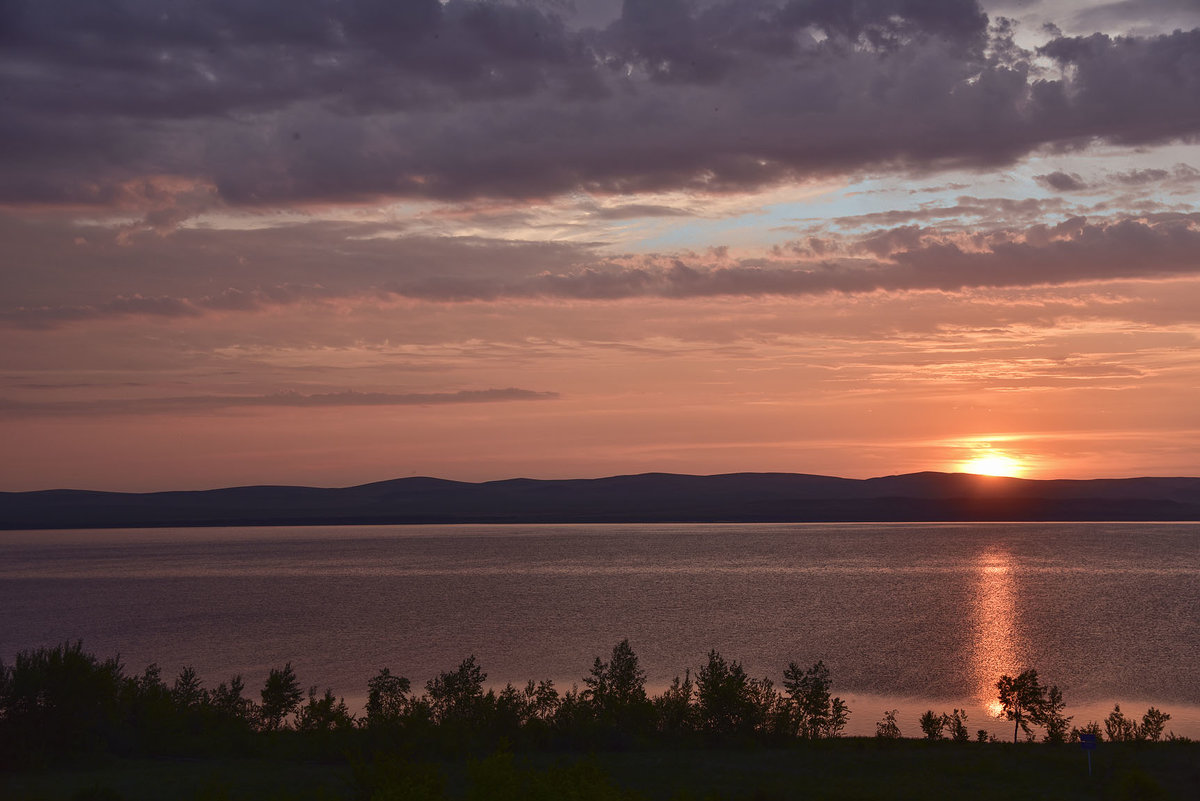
(910,615)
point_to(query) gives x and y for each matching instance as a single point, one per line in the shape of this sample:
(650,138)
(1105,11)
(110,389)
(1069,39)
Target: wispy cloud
(211,403)
(229,300)
(901,259)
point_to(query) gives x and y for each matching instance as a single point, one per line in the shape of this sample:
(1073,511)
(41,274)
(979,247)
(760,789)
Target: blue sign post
(1088,741)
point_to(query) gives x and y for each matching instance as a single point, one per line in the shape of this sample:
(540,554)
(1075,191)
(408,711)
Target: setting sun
(994,464)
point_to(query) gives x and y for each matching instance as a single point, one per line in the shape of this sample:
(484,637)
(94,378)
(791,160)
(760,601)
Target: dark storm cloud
(270,101)
(1129,89)
(210,403)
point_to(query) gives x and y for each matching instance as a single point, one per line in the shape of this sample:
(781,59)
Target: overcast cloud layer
(250,241)
(279,102)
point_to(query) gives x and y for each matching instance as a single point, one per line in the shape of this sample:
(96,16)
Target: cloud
(1062,181)
(58,271)
(163,306)
(903,258)
(1010,210)
(1129,89)
(1182,175)
(211,403)
(1136,13)
(269,102)
(630,211)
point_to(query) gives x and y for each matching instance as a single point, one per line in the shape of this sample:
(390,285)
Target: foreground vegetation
(75,726)
(846,768)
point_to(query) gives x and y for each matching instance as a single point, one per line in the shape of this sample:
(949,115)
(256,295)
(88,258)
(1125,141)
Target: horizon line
(984,476)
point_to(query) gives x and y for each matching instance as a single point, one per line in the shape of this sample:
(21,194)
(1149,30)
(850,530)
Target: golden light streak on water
(996,639)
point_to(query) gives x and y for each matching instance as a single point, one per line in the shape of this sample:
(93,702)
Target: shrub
(887,729)
(956,722)
(933,724)
(59,701)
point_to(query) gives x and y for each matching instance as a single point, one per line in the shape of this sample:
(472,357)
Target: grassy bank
(849,768)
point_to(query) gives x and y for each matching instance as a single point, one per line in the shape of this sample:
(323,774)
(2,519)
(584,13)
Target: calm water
(915,616)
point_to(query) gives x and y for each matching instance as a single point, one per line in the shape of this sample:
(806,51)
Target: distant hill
(650,497)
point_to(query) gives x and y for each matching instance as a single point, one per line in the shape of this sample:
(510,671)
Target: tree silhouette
(1057,724)
(188,692)
(770,714)
(816,713)
(324,713)
(1093,728)
(58,701)
(458,694)
(933,725)
(1026,700)
(281,696)
(1118,727)
(887,729)
(956,724)
(618,683)
(387,698)
(148,708)
(724,706)
(674,709)
(1153,723)
(616,689)
(227,700)
(540,701)
(1022,699)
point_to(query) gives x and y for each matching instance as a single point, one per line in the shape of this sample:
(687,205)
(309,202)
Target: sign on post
(1088,742)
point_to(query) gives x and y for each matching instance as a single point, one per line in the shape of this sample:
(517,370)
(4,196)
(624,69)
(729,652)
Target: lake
(912,616)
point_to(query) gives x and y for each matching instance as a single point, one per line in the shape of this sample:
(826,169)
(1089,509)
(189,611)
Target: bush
(933,725)
(59,702)
(887,729)
(956,722)
(1153,723)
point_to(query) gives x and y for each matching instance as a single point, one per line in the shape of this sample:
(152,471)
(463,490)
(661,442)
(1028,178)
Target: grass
(866,769)
(183,779)
(850,768)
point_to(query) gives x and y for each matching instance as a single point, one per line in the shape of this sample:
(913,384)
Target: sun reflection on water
(996,642)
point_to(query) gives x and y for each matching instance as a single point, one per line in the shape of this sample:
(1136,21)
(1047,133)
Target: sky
(342,241)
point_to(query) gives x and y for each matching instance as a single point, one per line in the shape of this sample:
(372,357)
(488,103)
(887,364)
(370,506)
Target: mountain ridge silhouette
(640,498)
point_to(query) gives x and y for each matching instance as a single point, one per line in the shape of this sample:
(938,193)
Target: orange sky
(364,300)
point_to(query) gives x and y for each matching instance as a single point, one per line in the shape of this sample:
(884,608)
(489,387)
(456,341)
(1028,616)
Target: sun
(993,463)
